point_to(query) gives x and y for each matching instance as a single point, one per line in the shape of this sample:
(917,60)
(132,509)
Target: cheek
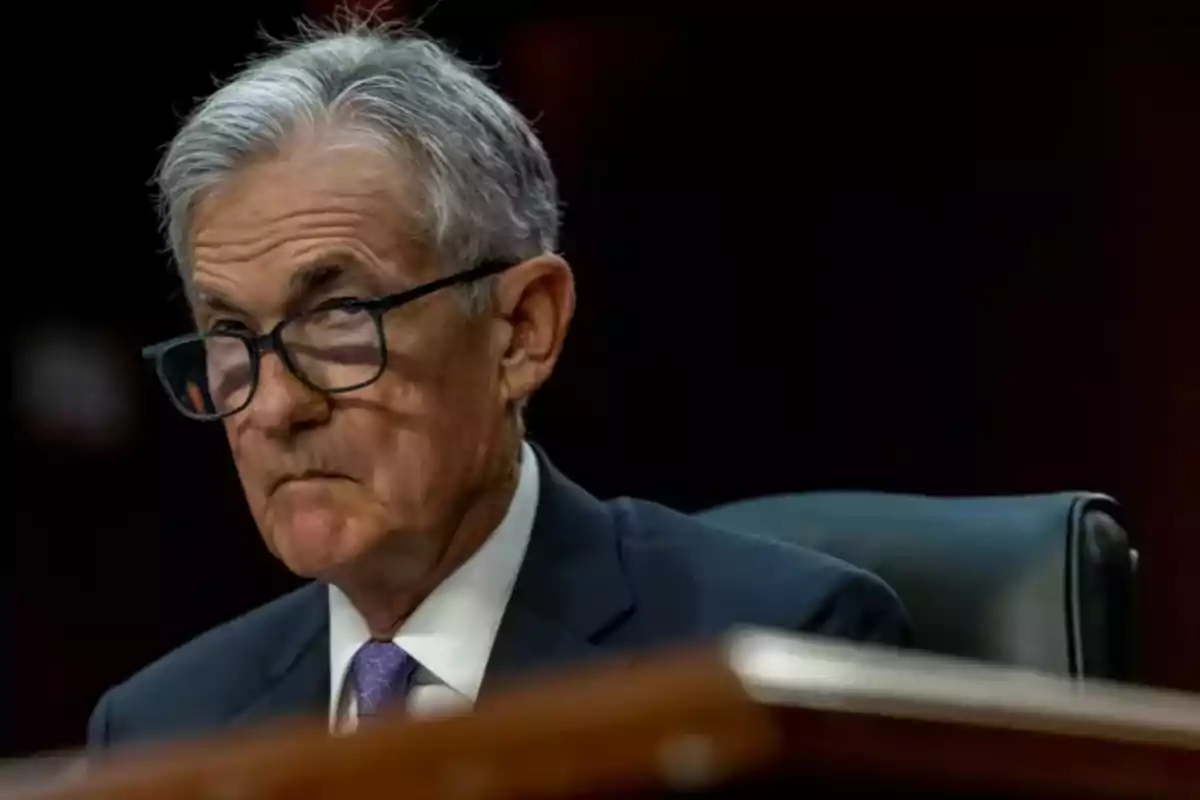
(424,435)
(397,429)
(444,385)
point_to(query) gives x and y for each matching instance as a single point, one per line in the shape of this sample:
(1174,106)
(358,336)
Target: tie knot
(381,671)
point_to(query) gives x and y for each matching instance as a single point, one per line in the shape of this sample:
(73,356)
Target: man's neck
(388,589)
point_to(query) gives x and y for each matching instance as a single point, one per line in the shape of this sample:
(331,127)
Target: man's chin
(315,544)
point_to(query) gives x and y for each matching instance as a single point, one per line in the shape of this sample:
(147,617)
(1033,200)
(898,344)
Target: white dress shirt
(451,633)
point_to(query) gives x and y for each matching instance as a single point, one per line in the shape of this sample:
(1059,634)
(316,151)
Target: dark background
(915,251)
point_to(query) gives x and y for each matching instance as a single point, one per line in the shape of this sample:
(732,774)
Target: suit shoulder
(208,669)
(245,637)
(742,578)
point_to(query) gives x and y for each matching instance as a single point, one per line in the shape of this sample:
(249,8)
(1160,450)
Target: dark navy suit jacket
(599,579)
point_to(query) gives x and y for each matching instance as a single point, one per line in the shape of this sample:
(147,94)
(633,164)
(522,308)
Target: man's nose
(282,402)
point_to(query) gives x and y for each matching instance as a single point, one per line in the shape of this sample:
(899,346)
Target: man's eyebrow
(323,274)
(304,284)
(208,302)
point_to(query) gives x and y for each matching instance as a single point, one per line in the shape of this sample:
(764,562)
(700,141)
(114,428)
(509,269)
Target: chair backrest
(1040,581)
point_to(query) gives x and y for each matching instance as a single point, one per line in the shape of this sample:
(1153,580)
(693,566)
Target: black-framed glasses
(338,346)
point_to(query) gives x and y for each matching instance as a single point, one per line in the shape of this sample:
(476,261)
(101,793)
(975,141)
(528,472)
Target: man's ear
(537,300)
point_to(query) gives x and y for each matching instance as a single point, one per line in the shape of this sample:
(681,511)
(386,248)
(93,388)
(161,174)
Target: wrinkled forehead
(279,227)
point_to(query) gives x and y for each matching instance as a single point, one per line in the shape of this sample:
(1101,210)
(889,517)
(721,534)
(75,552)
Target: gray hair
(487,191)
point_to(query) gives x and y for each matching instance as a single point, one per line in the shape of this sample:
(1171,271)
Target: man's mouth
(307,475)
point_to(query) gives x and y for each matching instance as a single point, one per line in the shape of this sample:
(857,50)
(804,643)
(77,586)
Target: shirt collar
(451,633)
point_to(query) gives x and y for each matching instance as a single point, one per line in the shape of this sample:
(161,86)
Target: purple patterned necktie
(381,672)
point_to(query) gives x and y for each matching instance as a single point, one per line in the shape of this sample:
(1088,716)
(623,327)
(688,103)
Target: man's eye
(227,326)
(335,303)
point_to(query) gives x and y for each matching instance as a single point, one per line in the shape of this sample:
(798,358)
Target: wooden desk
(762,713)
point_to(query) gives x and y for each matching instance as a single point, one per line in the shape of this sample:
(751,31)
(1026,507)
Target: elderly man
(366,232)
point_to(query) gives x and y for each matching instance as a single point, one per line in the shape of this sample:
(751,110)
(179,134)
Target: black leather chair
(1043,581)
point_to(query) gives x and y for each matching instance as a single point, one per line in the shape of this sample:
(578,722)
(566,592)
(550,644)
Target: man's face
(397,459)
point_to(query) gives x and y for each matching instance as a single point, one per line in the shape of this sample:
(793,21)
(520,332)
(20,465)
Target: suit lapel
(570,590)
(295,680)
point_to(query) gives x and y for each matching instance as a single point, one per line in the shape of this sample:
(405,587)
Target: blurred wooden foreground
(762,713)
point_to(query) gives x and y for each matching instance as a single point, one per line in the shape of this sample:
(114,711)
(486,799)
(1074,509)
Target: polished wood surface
(761,712)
